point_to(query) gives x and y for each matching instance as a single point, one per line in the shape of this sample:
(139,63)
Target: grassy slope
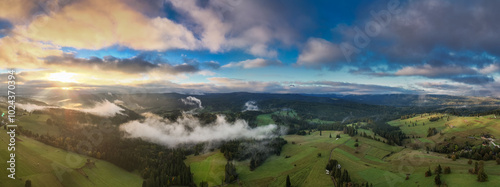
(42,164)
(208,167)
(372,161)
(37,124)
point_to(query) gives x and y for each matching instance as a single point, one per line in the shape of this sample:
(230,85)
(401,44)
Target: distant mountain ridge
(401,100)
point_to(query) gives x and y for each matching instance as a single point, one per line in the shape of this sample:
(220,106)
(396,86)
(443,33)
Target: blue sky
(343,47)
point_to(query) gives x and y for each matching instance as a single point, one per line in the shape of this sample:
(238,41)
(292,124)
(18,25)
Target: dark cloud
(442,86)
(477,79)
(455,40)
(211,65)
(138,64)
(428,25)
(369,71)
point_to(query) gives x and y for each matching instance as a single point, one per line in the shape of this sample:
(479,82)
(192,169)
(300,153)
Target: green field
(264,119)
(207,167)
(48,166)
(304,166)
(372,161)
(37,123)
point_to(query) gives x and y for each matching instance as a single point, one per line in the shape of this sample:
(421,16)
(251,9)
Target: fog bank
(188,129)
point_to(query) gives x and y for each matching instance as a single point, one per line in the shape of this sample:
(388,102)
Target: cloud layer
(104,108)
(188,130)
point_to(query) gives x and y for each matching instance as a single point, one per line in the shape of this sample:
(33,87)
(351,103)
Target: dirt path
(330,157)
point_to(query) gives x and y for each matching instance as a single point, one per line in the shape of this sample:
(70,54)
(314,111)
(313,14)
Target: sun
(62,77)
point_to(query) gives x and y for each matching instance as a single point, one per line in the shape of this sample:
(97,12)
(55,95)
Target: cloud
(251,26)
(492,68)
(251,106)
(426,25)
(433,71)
(212,65)
(95,24)
(104,108)
(134,65)
(188,130)
(424,32)
(319,52)
(474,79)
(32,107)
(190,100)
(455,73)
(446,88)
(254,63)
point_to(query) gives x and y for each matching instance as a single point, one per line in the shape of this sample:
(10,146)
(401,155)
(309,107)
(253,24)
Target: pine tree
(288,183)
(438,169)
(230,173)
(252,164)
(437,179)
(476,167)
(428,173)
(28,183)
(481,175)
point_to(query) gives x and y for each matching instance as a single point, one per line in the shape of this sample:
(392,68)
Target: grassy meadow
(48,166)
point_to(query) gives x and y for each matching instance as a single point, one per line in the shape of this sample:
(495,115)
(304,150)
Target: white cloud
(251,106)
(253,63)
(104,108)
(190,100)
(319,52)
(188,129)
(96,24)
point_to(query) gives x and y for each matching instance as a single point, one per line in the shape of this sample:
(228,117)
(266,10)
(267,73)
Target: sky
(282,46)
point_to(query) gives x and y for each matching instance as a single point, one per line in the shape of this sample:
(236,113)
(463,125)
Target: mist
(190,100)
(251,106)
(32,107)
(104,108)
(188,129)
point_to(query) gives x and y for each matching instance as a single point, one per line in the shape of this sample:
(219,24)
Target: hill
(48,166)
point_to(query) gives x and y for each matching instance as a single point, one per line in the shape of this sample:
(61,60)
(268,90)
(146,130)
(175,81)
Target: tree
(437,180)
(498,161)
(320,132)
(476,167)
(469,162)
(319,154)
(230,173)
(288,183)
(428,173)
(252,164)
(330,135)
(481,175)
(438,169)
(453,157)
(356,145)
(28,183)
(447,170)
(49,121)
